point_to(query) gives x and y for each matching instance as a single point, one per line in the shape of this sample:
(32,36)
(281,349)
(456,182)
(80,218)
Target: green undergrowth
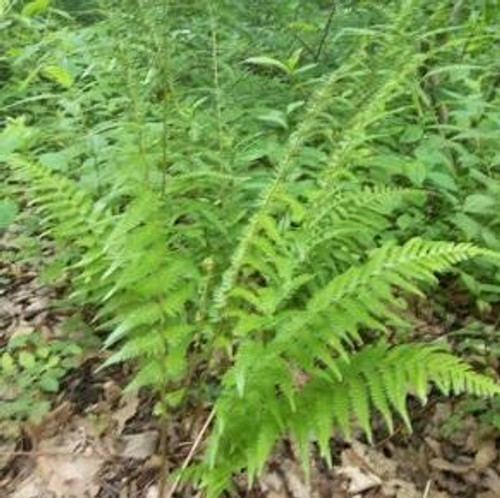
(31,369)
(251,196)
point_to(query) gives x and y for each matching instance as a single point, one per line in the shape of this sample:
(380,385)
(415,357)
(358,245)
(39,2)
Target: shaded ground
(97,442)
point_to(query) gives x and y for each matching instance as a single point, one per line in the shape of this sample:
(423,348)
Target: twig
(191,453)
(163,446)
(427,489)
(325,32)
(216,78)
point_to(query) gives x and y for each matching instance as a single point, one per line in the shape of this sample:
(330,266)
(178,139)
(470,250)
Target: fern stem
(164,58)
(326,31)
(163,447)
(318,103)
(215,65)
(164,420)
(350,138)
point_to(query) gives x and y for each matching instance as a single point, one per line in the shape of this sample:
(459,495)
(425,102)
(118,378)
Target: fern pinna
(293,311)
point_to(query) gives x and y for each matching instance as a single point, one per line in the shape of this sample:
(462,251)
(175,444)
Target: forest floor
(96,441)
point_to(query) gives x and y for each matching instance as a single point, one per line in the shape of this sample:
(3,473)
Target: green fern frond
(139,346)
(350,383)
(363,298)
(318,103)
(377,375)
(340,204)
(67,211)
(125,267)
(352,136)
(393,265)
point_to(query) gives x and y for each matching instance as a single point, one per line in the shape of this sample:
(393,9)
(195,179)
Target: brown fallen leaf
(365,467)
(20,327)
(37,305)
(295,480)
(73,475)
(139,446)
(23,295)
(441,464)
(489,494)
(112,392)
(468,425)
(359,480)
(434,445)
(125,412)
(486,454)
(64,468)
(272,483)
(438,494)
(153,491)
(367,458)
(50,424)
(491,480)
(31,487)
(8,308)
(400,489)
(6,449)
(40,319)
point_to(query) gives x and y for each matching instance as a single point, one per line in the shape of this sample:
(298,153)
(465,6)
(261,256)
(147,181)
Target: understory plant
(31,368)
(243,257)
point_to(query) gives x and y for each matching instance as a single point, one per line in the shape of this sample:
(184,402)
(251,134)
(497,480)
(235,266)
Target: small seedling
(31,370)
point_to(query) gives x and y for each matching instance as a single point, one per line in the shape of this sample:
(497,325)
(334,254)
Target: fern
(123,268)
(352,135)
(67,211)
(322,344)
(376,377)
(271,263)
